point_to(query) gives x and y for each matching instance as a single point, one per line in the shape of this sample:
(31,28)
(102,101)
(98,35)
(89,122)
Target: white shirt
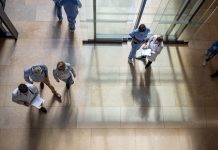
(21,98)
(155,47)
(65,74)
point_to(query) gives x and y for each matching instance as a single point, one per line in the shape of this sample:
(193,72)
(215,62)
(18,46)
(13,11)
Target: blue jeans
(135,47)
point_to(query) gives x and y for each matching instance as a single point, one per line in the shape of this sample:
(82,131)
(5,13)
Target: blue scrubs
(139,36)
(71,9)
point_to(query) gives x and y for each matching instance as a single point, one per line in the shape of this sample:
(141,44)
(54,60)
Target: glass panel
(189,12)
(160,14)
(116,17)
(86,19)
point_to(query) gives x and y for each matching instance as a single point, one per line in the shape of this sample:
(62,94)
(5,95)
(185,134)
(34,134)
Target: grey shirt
(64,75)
(37,78)
(21,98)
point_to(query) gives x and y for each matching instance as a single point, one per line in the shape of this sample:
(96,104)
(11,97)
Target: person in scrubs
(71,9)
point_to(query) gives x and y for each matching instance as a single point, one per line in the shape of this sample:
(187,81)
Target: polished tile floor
(112,105)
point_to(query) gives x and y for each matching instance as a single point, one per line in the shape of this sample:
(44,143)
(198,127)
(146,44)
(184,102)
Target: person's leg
(41,85)
(47,82)
(208,57)
(59,10)
(72,12)
(69,82)
(132,53)
(148,64)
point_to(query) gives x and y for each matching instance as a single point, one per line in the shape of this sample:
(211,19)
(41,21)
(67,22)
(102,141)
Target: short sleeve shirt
(140,35)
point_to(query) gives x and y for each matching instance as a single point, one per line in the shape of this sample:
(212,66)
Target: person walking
(39,73)
(71,9)
(64,71)
(210,53)
(155,43)
(26,94)
(139,37)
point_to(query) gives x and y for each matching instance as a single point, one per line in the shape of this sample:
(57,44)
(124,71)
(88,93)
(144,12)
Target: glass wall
(115,17)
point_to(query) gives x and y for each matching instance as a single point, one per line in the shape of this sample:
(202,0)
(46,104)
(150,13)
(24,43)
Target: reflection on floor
(112,105)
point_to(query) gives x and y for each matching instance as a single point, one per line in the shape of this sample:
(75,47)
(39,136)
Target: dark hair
(142,28)
(160,38)
(60,64)
(23,88)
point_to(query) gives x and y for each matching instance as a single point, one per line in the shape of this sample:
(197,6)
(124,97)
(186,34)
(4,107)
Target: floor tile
(154,139)
(141,117)
(177,117)
(113,139)
(97,117)
(67,139)
(212,117)
(22,139)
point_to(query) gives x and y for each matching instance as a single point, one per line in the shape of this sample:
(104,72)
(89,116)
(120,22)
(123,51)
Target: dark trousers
(148,64)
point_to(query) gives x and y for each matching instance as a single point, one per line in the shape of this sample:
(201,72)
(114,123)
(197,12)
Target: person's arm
(159,49)
(55,75)
(151,39)
(26,75)
(146,38)
(136,40)
(33,89)
(132,34)
(45,69)
(149,42)
(16,99)
(71,69)
(73,72)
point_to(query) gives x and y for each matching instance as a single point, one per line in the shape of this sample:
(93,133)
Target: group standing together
(154,44)
(26,94)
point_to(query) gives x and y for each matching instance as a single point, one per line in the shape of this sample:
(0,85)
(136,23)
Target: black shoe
(43,109)
(41,85)
(214,74)
(68,86)
(147,66)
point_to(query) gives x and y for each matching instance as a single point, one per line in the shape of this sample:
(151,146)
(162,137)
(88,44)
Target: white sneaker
(204,63)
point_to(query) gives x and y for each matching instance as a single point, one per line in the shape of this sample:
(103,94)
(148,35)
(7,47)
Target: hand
(145,46)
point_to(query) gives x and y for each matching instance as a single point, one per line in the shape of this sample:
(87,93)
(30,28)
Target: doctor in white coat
(155,43)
